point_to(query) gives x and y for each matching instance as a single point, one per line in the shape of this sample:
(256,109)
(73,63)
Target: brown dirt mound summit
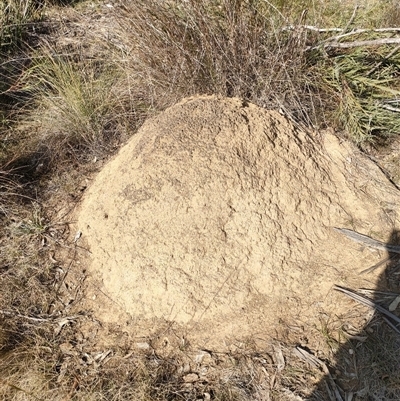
(221,214)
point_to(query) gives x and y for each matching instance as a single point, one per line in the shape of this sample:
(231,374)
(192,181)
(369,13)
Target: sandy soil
(219,217)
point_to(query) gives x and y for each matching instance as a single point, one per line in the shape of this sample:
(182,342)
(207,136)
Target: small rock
(191,378)
(142,345)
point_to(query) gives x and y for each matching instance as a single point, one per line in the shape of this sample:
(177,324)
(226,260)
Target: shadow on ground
(367,366)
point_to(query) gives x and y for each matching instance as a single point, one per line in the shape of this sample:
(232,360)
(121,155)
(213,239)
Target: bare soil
(217,219)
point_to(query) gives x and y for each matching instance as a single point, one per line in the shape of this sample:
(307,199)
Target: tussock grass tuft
(231,48)
(81,108)
(252,50)
(16,17)
(366,93)
(9,190)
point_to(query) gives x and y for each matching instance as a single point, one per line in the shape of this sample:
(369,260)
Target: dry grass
(245,49)
(16,18)
(230,48)
(83,107)
(66,106)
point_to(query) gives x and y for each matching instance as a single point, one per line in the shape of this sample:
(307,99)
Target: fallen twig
(333,38)
(333,41)
(61,321)
(32,319)
(359,31)
(361,43)
(390,108)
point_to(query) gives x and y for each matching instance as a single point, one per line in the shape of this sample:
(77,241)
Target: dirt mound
(219,215)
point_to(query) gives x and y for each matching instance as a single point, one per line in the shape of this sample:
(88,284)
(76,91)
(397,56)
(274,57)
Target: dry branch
(333,41)
(353,32)
(361,43)
(30,318)
(390,108)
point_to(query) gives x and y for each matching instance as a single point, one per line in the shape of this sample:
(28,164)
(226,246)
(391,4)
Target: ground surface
(236,208)
(218,217)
